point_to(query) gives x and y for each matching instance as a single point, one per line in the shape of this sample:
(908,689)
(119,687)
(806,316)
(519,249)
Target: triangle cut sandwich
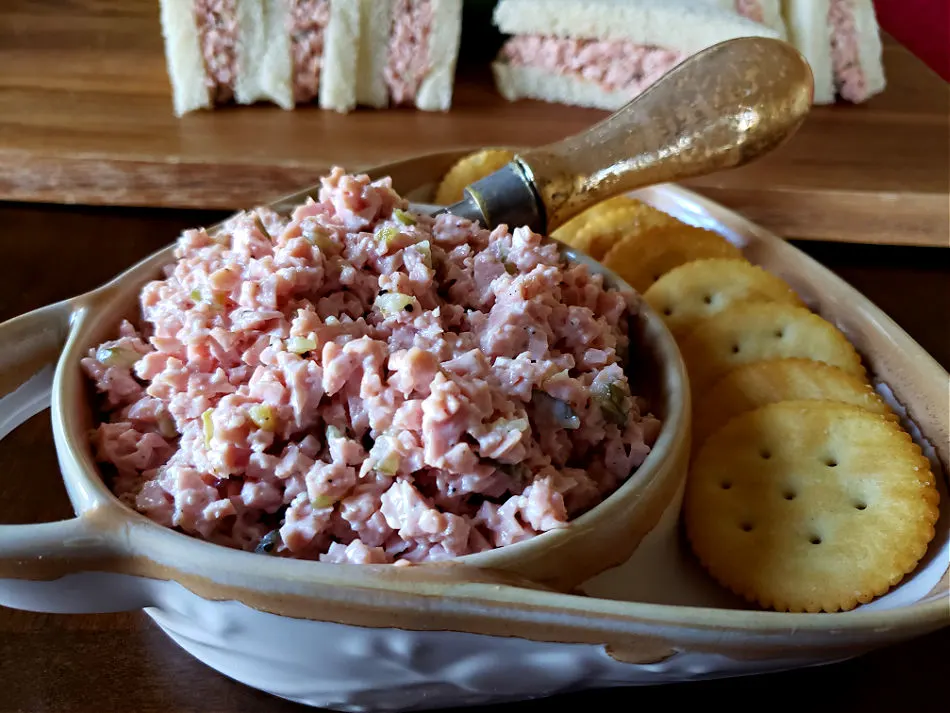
(603,53)
(842,42)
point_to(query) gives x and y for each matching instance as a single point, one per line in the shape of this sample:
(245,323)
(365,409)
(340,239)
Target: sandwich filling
(408,62)
(308,23)
(751,9)
(614,65)
(850,81)
(216,21)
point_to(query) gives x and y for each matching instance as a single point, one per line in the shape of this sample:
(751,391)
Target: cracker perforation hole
(860,505)
(668,311)
(831,463)
(707,300)
(735,349)
(779,333)
(765,453)
(789,495)
(815,540)
(725,485)
(745,526)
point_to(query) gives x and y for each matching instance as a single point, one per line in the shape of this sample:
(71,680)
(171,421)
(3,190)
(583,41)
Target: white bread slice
(516,82)
(809,31)
(340,52)
(186,69)
(375,24)
(772,17)
(275,67)
(870,49)
(683,25)
(251,45)
(435,92)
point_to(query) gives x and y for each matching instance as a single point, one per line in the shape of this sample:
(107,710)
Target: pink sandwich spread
(850,80)
(751,9)
(408,59)
(308,20)
(614,65)
(216,22)
(362,384)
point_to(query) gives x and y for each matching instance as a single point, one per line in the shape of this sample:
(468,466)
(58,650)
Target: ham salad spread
(363,384)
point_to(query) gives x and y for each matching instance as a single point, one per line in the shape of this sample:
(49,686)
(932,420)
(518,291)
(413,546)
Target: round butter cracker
(644,257)
(810,506)
(760,383)
(754,331)
(567,233)
(610,222)
(467,170)
(689,293)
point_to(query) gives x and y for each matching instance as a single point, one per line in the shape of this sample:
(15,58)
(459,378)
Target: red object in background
(922,26)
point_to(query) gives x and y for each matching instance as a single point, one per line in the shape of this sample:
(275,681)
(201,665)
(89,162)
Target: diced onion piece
(195,295)
(560,412)
(404,217)
(263,416)
(394,302)
(315,235)
(331,321)
(511,424)
(208,427)
(166,426)
(269,543)
(333,433)
(300,345)
(120,357)
(425,248)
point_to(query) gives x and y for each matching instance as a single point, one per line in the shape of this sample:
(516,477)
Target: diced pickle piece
(120,357)
(263,416)
(404,217)
(207,426)
(613,399)
(300,345)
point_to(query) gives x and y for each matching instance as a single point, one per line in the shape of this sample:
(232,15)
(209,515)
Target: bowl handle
(33,555)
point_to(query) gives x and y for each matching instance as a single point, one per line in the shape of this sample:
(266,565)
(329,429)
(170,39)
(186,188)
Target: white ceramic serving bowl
(475,630)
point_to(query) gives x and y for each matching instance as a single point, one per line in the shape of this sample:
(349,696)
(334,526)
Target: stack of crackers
(805,493)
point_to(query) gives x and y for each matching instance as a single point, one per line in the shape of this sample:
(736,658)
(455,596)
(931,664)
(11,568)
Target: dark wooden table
(123,663)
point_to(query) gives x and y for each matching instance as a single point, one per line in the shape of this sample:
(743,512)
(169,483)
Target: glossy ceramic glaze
(372,638)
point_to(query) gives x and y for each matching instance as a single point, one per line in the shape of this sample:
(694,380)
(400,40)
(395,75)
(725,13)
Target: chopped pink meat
(614,65)
(352,384)
(751,9)
(850,80)
(217,25)
(308,23)
(408,62)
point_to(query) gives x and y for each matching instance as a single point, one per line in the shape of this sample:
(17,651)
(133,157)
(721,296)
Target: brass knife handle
(722,108)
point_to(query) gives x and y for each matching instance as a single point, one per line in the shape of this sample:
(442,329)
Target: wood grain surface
(85,117)
(123,663)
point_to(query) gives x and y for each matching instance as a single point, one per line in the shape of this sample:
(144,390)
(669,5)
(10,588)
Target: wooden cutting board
(85,117)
